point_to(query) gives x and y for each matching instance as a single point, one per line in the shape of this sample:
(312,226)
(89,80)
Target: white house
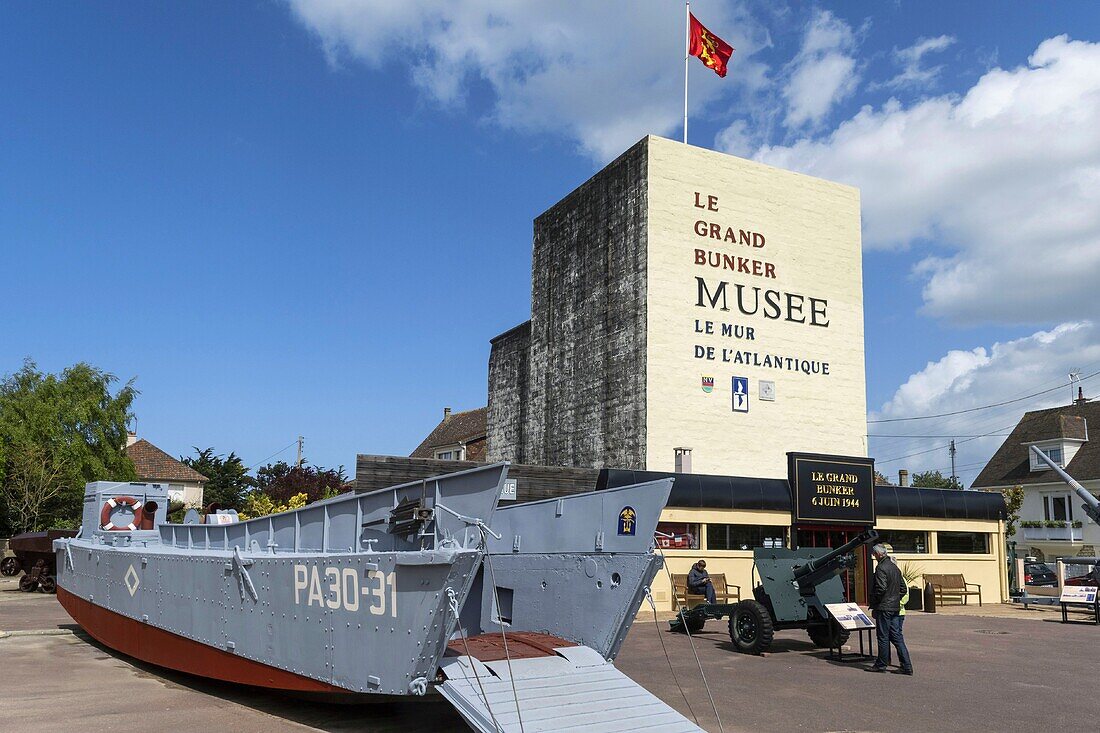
(155,466)
(1063,434)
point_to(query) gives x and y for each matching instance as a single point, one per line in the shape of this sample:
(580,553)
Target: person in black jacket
(886,592)
(699,581)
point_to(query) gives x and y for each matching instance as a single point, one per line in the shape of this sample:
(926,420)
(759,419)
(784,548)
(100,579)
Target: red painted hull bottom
(165,649)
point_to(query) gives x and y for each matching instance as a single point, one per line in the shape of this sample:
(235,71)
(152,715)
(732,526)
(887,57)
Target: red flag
(709,48)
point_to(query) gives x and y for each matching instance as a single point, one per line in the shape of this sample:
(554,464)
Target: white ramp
(575,690)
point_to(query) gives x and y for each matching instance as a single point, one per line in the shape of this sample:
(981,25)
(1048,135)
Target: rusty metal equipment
(9,563)
(34,555)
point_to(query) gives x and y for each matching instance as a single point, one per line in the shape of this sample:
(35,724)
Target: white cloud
(824,71)
(982,376)
(913,74)
(1004,181)
(602,73)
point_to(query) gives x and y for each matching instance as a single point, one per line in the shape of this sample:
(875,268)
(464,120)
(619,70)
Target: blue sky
(310,217)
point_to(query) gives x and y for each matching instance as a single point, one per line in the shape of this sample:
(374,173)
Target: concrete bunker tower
(687,299)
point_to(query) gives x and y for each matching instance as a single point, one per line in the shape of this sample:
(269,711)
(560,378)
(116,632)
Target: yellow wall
(811,242)
(989,570)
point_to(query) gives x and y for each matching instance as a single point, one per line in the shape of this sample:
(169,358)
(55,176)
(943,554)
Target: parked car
(1092,577)
(1039,573)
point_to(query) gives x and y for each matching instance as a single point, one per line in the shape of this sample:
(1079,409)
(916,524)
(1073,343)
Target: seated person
(699,581)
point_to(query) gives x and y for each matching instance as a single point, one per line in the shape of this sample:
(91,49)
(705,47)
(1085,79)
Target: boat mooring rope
(496,600)
(691,641)
(454,609)
(661,638)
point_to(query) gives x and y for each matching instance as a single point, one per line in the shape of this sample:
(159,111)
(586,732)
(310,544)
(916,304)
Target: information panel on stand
(833,489)
(1078,594)
(850,616)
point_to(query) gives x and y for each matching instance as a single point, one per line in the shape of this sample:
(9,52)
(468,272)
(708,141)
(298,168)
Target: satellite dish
(192,517)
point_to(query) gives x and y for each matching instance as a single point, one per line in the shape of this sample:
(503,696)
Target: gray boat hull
(364,594)
(338,596)
(329,619)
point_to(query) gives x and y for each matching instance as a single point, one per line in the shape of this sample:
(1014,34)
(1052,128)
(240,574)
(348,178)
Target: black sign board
(832,489)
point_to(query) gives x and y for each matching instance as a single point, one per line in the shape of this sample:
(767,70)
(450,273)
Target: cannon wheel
(27,584)
(9,566)
(751,627)
(47,584)
(828,636)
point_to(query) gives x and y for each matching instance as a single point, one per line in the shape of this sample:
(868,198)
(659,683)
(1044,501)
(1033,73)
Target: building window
(450,454)
(1061,508)
(745,536)
(904,540)
(677,536)
(963,543)
(1054,452)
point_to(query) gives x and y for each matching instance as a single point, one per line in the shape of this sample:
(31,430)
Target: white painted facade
(796,235)
(1052,501)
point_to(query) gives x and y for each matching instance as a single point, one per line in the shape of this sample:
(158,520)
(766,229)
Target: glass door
(854,580)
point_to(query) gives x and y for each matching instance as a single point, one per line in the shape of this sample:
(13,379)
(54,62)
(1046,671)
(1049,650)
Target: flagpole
(687,55)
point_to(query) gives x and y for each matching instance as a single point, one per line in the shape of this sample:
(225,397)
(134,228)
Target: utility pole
(954,480)
(302,440)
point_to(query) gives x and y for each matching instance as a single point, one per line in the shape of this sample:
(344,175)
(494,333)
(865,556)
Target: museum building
(700,315)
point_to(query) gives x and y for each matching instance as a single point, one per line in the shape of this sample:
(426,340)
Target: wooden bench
(952,586)
(723,591)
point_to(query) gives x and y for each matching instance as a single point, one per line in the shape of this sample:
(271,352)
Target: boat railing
(447,510)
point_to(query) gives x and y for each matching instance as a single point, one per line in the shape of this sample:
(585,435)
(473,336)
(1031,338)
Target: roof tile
(460,427)
(1011,465)
(153,464)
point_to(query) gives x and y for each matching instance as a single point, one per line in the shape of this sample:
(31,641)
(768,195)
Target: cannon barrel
(1091,505)
(834,559)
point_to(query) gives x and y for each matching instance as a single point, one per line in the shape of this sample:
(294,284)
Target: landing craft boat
(513,614)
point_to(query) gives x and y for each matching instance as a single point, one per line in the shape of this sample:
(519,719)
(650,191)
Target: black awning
(698,490)
(705,491)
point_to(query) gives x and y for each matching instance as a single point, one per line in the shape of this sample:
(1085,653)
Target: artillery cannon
(794,587)
(1090,505)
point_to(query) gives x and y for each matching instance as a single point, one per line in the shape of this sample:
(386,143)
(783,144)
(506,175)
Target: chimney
(903,477)
(131,438)
(1080,397)
(683,460)
(446,414)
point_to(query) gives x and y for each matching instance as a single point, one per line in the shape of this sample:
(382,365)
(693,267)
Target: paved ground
(1002,670)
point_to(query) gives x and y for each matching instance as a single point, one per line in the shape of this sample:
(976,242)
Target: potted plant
(911,573)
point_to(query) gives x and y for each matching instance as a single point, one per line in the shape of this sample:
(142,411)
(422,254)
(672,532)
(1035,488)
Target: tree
(259,504)
(1014,499)
(881,480)
(32,483)
(58,432)
(280,481)
(934,480)
(228,477)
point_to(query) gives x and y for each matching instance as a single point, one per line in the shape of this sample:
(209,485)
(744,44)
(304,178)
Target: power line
(942,447)
(920,453)
(295,442)
(982,407)
(983,435)
(963,467)
(976,423)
